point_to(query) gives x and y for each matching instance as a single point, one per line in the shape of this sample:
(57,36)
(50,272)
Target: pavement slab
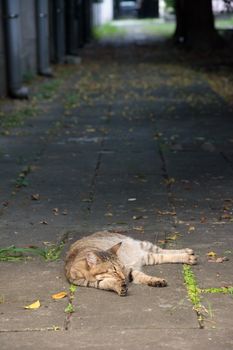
(134,141)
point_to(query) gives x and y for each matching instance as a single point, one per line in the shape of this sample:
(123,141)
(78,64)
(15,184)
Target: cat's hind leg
(150,247)
(163,257)
(140,277)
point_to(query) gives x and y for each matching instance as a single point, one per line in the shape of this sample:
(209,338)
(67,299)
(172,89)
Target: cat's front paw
(157,282)
(189,251)
(122,289)
(191,260)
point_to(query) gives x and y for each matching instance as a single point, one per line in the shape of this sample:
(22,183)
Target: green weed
(72,101)
(220,290)
(108,30)
(53,253)
(21,180)
(17,117)
(156,27)
(192,287)
(49,89)
(73,288)
(13,253)
(28,76)
(69,309)
(194,293)
(224,23)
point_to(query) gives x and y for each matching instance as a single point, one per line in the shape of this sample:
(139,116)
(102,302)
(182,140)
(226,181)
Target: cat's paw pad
(191,260)
(157,282)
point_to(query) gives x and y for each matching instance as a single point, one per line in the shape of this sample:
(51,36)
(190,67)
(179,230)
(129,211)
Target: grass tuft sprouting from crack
(14,254)
(193,293)
(69,310)
(220,290)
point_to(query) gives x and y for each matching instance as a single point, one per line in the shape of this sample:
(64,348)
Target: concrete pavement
(136,142)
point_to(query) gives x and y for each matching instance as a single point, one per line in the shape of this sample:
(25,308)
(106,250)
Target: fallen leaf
(162,241)
(191,229)
(87,200)
(44,222)
(55,211)
(90,130)
(203,219)
(226,216)
(137,217)
(173,237)
(170,181)
(35,197)
(139,228)
(172,213)
(211,254)
(108,214)
(60,295)
(33,306)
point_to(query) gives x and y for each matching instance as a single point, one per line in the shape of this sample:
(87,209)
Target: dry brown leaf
(44,222)
(59,295)
(55,211)
(35,197)
(172,213)
(226,216)
(108,214)
(137,217)
(138,228)
(203,219)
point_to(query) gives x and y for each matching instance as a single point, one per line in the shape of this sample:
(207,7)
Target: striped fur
(109,260)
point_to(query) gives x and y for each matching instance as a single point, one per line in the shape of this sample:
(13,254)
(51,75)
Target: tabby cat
(108,260)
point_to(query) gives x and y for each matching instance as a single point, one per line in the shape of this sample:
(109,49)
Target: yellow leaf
(170,181)
(212,254)
(173,237)
(33,306)
(60,295)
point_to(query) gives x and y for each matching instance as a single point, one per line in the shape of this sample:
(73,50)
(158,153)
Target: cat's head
(104,265)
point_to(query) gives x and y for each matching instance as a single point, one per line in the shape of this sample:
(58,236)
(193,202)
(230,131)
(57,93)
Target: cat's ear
(91,259)
(115,248)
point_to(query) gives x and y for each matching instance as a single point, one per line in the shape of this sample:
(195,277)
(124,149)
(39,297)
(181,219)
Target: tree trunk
(195,24)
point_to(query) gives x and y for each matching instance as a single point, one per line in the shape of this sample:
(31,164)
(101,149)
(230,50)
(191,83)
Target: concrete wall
(102,12)
(26,55)
(2,57)
(28,34)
